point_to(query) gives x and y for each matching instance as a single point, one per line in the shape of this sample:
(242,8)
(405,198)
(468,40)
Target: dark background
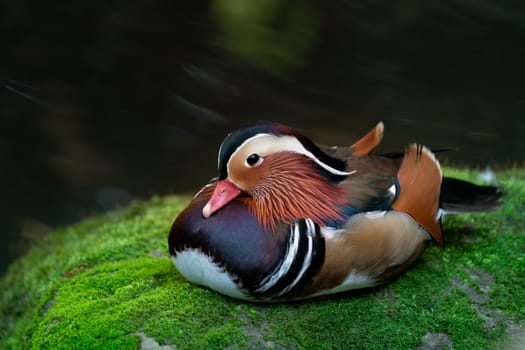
(102,102)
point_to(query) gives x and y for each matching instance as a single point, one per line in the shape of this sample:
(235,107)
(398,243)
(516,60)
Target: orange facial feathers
(292,188)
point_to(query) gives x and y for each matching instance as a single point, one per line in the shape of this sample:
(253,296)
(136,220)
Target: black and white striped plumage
(247,262)
(302,259)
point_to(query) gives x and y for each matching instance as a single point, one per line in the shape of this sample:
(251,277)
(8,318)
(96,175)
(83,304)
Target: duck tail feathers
(458,196)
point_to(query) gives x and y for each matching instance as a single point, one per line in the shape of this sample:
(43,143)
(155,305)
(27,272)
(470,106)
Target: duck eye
(253,159)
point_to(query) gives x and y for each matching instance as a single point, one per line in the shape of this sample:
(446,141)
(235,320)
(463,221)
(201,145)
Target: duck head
(280,174)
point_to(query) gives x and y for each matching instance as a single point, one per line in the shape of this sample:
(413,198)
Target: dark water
(104,102)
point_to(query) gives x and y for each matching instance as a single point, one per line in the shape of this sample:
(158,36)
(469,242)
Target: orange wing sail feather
(420,182)
(371,140)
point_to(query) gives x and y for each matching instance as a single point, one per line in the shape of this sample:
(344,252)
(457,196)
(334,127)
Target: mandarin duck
(288,219)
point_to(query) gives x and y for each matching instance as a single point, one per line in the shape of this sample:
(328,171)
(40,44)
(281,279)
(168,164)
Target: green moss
(108,281)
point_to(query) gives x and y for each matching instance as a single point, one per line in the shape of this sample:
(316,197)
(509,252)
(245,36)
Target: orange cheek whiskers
(290,195)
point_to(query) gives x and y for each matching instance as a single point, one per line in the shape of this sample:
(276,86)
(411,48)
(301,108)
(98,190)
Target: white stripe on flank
(283,268)
(310,231)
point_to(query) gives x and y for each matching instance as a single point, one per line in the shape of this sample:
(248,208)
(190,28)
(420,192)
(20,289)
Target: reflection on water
(104,102)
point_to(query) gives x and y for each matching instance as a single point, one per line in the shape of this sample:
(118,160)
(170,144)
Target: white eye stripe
(239,148)
(265,144)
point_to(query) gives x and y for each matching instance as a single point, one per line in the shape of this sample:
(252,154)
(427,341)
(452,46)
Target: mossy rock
(109,283)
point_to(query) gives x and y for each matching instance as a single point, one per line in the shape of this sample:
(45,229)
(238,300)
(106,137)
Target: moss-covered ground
(108,283)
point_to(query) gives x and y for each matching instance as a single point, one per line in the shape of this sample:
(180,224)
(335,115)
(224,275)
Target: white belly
(198,268)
